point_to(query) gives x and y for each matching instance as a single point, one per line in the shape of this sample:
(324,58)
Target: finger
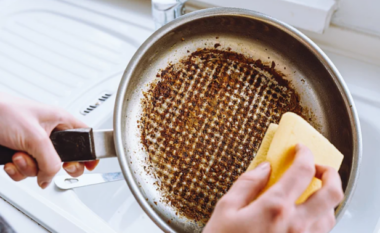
(247,187)
(91,165)
(25,164)
(328,197)
(67,121)
(13,173)
(48,161)
(74,169)
(298,177)
(59,118)
(324,224)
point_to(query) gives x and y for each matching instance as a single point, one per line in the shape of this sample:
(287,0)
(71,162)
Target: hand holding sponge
(278,148)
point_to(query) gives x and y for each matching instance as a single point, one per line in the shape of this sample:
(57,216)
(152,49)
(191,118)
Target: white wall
(362,15)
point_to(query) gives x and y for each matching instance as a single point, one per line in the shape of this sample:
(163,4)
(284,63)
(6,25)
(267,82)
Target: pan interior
(318,88)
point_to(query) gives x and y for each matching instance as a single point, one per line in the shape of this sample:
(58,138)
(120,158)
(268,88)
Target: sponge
(261,155)
(278,148)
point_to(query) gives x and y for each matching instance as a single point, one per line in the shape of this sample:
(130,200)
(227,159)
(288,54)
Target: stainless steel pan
(320,86)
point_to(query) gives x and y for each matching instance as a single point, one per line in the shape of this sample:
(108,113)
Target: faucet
(164,11)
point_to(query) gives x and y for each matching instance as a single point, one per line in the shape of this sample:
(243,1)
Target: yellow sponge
(278,148)
(261,155)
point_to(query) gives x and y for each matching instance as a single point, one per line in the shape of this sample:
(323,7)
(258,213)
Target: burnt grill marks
(203,122)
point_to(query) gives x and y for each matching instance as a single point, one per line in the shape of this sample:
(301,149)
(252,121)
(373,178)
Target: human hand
(26,127)
(275,210)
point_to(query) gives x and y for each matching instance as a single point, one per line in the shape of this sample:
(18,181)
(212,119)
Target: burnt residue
(203,122)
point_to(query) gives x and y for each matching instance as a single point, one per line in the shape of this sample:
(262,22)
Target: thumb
(248,186)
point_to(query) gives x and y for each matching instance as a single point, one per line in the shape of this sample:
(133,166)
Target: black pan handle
(71,145)
(6,155)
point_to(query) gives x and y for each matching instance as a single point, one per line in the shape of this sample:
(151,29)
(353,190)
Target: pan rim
(224,11)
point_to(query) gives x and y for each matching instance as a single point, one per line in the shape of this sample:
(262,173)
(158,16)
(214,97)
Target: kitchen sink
(113,201)
(122,26)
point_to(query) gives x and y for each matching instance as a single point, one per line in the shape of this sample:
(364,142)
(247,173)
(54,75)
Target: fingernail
(10,171)
(44,184)
(264,166)
(71,169)
(20,161)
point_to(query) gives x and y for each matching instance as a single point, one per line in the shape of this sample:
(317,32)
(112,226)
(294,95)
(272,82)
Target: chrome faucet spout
(164,11)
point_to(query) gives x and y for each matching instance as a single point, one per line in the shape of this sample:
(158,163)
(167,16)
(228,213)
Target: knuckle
(59,116)
(331,172)
(225,202)
(248,177)
(277,210)
(37,138)
(335,193)
(331,221)
(17,179)
(56,114)
(298,227)
(48,169)
(277,206)
(51,170)
(278,196)
(306,169)
(24,170)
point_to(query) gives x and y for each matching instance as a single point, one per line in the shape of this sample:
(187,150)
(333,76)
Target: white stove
(71,53)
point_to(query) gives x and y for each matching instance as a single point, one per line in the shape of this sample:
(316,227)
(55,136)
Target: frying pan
(322,91)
